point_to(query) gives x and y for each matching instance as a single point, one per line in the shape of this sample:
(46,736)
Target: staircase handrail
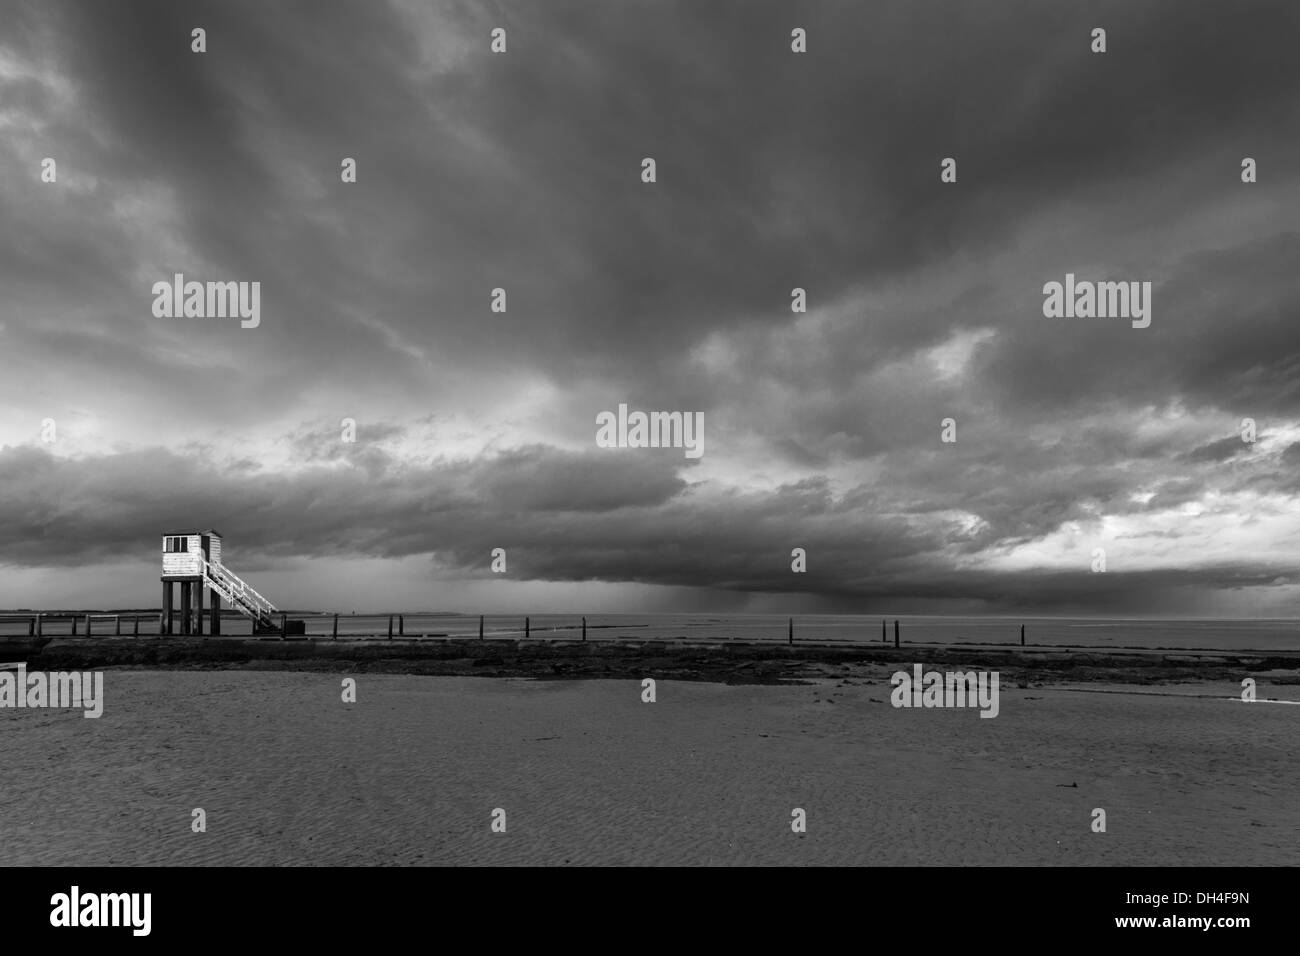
(236,585)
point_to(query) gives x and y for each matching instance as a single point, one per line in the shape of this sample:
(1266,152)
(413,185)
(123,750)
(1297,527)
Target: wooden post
(198,608)
(284,625)
(135,626)
(165,619)
(390,627)
(884,638)
(74,625)
(336,627)
(1022,635)
(584,628)
(480,627)
(117,626)
(526,627)
(791,630)
(31,627)
(186,618)
(38,622)
(214,625)
(401,625)
(895,632)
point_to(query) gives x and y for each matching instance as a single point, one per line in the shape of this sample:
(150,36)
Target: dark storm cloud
(773,169)
(561,517)
(1224,336)
(87,510)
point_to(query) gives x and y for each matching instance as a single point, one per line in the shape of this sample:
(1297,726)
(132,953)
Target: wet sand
(588,774)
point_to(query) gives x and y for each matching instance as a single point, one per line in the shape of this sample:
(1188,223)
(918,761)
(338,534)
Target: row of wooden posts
(885,638)
(401,626)
(401,629)
(35,624)
(34,627)
(884,634)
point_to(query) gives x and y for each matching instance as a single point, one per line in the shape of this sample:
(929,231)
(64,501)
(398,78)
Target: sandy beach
(589,774)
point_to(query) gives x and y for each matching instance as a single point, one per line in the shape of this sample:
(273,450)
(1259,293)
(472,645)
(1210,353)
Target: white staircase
(238,594)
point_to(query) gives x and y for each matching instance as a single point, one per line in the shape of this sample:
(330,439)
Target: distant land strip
(732,662)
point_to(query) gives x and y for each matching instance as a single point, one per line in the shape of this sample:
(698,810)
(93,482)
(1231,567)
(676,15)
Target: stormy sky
(775,170)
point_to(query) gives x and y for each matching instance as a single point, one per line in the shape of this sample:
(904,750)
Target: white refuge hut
(192,559)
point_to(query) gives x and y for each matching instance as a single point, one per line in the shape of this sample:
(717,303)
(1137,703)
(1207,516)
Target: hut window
(177,544)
